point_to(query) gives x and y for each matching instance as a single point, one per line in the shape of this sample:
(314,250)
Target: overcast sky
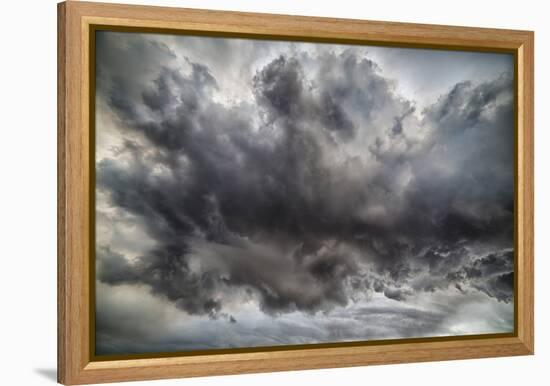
(254,193)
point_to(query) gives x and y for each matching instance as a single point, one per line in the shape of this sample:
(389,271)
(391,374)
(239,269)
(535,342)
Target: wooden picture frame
(76,361)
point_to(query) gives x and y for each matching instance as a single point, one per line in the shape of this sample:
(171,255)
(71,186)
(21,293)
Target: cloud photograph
(254,193)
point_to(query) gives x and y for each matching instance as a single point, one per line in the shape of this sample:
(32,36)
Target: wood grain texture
(75,362)
(61,207)
(73,202)
(526,199)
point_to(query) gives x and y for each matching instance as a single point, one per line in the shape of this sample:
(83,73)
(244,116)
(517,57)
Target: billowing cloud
(316,190)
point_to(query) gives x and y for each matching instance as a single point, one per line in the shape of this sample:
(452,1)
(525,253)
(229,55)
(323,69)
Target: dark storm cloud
(167,273)
(262,193)
(492,274)
(283,285)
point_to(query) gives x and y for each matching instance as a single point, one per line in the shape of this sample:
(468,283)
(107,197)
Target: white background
(28,191)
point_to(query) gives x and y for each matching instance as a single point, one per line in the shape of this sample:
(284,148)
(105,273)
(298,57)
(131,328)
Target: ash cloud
(322,187)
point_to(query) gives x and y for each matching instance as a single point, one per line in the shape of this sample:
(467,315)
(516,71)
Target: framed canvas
(248,192)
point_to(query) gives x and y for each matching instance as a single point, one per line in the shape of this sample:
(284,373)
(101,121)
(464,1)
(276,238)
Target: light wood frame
(76,362)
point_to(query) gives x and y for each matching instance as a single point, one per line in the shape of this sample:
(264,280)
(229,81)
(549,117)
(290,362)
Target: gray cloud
(324,186)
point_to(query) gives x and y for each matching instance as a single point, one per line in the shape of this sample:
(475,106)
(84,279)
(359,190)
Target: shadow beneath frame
(50,374)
